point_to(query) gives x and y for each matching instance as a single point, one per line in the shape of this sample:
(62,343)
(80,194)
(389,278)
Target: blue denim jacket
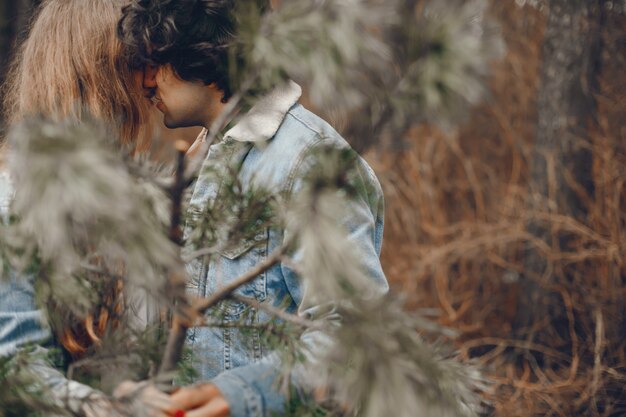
(270,144)
(20,321)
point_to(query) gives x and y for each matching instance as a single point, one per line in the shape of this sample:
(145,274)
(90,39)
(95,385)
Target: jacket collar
(262,121)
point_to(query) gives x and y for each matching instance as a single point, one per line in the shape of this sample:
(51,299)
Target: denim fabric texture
(272,152)
(21,322)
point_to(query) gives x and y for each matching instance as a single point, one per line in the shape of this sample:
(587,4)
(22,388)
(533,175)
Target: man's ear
(217,92)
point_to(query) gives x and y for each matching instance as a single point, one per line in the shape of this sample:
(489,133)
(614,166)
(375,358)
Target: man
(183,45)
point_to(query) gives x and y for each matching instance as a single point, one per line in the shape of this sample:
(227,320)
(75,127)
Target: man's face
(183,103)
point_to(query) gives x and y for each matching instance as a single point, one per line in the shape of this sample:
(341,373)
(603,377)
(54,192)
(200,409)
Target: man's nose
(149,76)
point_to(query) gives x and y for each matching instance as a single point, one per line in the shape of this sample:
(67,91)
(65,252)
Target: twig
(597,351)
(204,304)
(97,270)
(210,250)
(291,264)
(515,344)
(178,333)
(176,193)
(277,312)
(174,347)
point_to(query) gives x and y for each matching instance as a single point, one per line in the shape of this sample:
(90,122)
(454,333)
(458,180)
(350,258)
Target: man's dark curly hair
(191,35)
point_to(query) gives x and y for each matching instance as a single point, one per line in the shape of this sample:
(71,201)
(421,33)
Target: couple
(109,57)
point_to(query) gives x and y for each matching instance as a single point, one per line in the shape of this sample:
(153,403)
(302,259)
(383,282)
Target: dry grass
(457,238)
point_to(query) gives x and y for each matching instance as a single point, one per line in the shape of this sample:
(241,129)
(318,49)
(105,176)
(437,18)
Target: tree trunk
(561,164)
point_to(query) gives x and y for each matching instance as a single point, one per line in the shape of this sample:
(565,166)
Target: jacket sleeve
(20,321)
(252,390)
(22,324)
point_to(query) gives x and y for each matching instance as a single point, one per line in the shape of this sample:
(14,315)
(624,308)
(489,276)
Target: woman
(70,62)
(72,59)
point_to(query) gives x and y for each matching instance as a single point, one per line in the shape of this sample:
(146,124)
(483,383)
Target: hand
(203,400)
(142,399)
(99,406)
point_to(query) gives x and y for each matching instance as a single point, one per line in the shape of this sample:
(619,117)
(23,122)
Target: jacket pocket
(235,262)
(243,247)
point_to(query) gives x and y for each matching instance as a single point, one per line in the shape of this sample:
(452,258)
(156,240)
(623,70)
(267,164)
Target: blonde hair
(72,60)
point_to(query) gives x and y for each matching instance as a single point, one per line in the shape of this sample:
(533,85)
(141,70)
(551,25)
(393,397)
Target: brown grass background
(456,237)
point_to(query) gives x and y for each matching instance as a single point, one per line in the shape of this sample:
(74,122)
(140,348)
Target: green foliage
(124,354)
(186,374)
(300,405)
(379,362)
(4,264)
(332,168)
(375,363)
(442,51)
(234,215)
(448,49)
(277,45)
(385,64)
(285,340)
(321,215)
(23,393)
(72,184)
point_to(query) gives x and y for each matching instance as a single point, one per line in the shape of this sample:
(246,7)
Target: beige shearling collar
(262,121)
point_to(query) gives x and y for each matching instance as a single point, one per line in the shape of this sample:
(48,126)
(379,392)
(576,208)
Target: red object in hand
(179,413)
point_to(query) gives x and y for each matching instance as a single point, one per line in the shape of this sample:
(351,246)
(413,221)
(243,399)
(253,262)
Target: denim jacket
(270,144)
(23,323)
(20,321)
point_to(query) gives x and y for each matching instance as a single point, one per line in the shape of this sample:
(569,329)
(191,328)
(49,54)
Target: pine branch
(102,272)
(277,312)
(174,348)
(176,339)
(228,289)
(200,253)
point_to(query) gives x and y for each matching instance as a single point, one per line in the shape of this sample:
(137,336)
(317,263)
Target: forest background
(513,225)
